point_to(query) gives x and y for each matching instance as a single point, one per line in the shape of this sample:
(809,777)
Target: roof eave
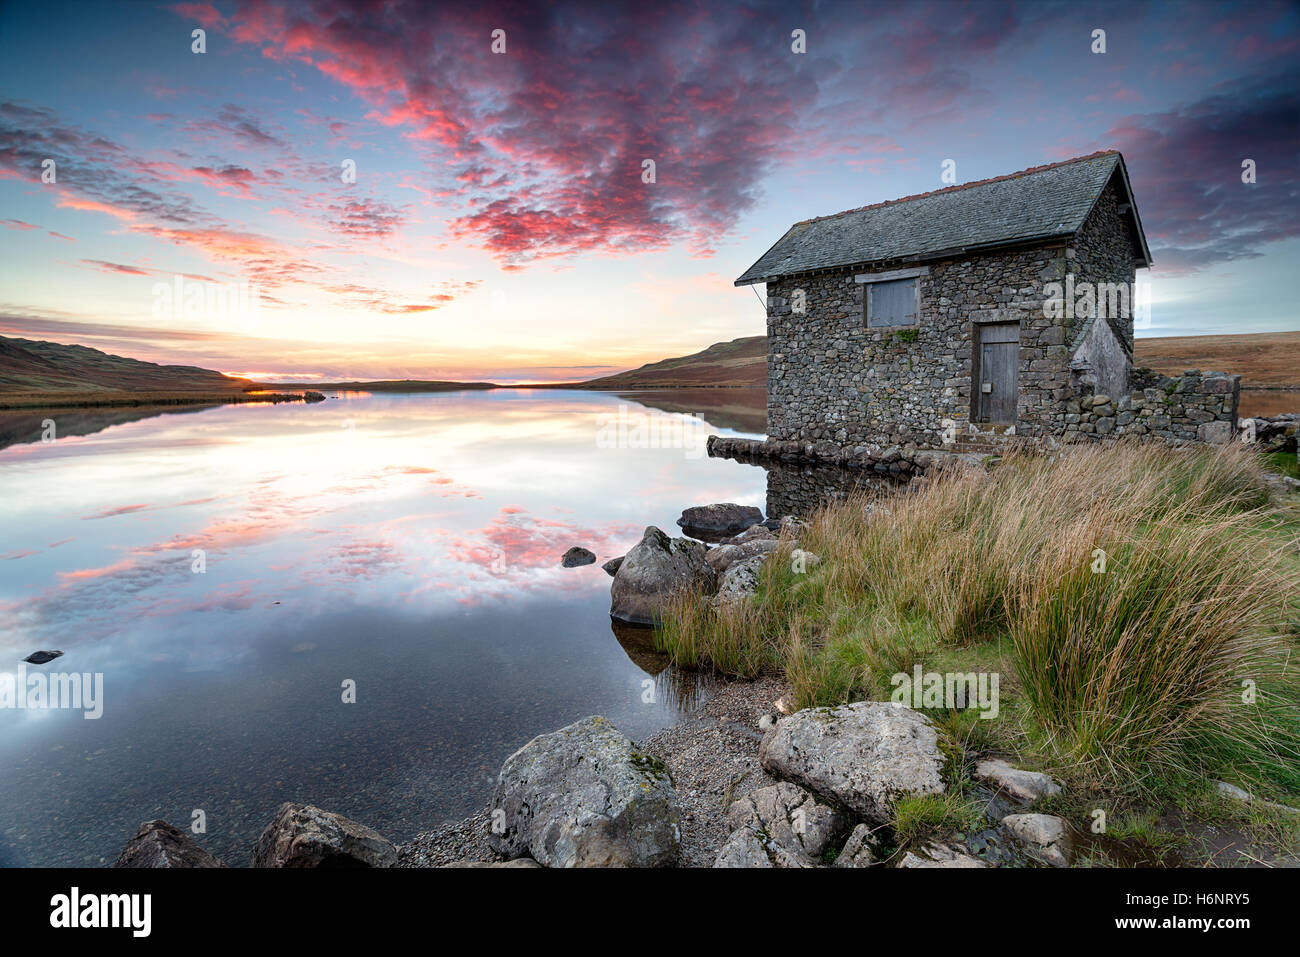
(948,253)
(1145,261)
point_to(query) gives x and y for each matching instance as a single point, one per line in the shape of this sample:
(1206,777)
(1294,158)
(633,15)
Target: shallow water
(228,570)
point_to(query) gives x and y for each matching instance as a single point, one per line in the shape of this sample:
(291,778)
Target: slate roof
(1041,203)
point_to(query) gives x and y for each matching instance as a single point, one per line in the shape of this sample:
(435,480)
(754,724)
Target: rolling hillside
(1264,359)
(738,363)
(28,366)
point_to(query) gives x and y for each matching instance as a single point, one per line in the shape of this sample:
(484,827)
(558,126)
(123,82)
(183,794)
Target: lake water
(229,570)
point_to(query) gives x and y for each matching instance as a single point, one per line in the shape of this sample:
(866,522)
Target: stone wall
(1194,407)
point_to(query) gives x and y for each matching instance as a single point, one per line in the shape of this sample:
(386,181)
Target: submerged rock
(41,657)
(586,796)
(305,836)
(576,556)
(726,518)
(159,844)
(657,568)
(863,756)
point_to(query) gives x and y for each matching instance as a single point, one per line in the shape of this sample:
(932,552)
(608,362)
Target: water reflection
(678,688)
(742,410)
(227,570)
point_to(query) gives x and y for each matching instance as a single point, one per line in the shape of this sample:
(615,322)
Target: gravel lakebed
(712,755)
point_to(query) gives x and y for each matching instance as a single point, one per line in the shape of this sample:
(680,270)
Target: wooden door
(998,352)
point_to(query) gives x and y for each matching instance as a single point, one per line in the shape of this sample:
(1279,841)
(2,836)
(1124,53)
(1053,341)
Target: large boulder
(303,835)
(725,519)
(586,796)
(789,825)
(657,568)
(864,755)
(159,844)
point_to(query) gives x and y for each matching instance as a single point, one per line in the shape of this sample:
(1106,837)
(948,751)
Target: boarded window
(892,303)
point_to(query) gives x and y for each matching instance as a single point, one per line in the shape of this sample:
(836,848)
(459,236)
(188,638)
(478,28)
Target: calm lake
(229,570)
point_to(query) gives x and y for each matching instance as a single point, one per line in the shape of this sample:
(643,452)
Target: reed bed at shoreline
(1139,602)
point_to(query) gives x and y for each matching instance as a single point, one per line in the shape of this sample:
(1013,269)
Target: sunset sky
(498,226)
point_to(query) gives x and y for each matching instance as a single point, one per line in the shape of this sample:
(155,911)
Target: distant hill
(739,363)
(1264,359)
(30,366)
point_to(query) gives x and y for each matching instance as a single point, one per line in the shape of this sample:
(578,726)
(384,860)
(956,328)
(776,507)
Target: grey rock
(576,556)
(657,568)
(1237,794)
(586,796)
(940,855)
(728,517)
(751,534)
(723,556)
(863,756)
(859,850)
(611,566)
(519,862)
(159,844)
(305,836)
(740,581)
(794,826)
(1215,433)
(1022,785)
(743,849)
(1044,834)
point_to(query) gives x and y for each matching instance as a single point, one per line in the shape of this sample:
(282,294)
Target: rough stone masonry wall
(1194,407)
(831,379)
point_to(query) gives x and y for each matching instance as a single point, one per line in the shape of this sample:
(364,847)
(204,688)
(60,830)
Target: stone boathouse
(961,318)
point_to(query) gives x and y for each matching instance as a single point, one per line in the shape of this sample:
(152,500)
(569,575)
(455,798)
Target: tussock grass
(1128,676)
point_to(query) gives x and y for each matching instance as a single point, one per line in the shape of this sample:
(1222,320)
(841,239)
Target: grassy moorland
(1140,605)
